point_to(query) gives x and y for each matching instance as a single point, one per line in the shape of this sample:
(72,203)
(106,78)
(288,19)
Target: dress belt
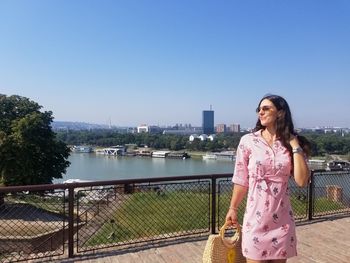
(265,180)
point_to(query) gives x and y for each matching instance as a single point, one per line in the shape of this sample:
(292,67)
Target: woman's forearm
(300,167)
(239,192)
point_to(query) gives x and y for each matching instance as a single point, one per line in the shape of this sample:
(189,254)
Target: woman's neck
(269,134)
(270,131)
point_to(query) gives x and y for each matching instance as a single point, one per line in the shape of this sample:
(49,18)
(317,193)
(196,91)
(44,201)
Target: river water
(96,167)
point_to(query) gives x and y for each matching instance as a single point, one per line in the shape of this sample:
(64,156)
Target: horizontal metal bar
(8,189)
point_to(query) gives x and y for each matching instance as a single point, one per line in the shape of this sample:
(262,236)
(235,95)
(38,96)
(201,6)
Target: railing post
(213,205)
(70,221)
(310,204)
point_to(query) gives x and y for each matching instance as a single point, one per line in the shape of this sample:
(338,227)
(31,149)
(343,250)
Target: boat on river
(169,154)
(338,164)
(160,154)
(81,149)
(317,163)
(220,156)
(209,156)
(178,155)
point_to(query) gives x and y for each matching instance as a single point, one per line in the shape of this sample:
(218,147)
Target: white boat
(160,154)
(71,181)
(317,163)
(220,156)
(99,151)
(77,189)
(209,156)
(226,155)
(81,149)
(338,164)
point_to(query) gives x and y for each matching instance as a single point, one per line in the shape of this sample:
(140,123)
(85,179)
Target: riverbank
(196,154)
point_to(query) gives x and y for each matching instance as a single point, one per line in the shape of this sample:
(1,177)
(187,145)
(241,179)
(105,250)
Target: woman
(265,160)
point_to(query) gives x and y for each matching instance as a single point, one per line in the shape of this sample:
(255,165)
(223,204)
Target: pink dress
(268,230)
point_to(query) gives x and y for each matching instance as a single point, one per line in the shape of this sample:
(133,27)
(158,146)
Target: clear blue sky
(163,62)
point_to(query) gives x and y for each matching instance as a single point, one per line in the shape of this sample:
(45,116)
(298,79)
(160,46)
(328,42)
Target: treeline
(329,143)
(321,144)
(106,138)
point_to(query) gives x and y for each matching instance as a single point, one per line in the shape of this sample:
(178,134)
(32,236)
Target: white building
(193,137)
(203,137)
(143,128)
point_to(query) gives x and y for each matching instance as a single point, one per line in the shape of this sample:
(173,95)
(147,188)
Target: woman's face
(267,113)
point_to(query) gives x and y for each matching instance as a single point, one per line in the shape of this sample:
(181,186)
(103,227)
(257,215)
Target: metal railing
(64,220)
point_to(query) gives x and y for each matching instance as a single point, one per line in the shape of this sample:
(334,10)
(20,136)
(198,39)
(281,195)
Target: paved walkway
(326,241)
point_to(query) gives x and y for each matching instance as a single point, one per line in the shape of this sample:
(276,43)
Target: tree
(29,150)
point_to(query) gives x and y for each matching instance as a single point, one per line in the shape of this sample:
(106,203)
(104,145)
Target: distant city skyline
(164,62)
(234,126)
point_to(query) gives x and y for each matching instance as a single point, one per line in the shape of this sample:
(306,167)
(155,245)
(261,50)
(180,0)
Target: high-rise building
(208,121)
(221,128)
(235,128)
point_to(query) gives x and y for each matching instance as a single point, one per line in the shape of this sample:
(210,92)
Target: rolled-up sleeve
(241,175)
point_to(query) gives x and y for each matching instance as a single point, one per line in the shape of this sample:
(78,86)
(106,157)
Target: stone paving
(323,241)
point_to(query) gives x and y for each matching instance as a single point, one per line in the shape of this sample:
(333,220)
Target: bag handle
(230,242)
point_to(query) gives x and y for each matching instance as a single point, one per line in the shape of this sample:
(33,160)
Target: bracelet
(297,150)
(233,208)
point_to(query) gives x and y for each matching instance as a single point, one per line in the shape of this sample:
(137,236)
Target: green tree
(29,150)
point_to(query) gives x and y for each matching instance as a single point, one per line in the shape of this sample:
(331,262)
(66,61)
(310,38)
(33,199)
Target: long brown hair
(284,124)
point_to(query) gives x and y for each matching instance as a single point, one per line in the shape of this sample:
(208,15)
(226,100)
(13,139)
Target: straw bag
(220,249)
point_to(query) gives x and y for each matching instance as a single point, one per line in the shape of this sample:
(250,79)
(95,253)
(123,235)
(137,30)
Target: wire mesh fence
(71,219)
(33,226)
(146,212)
(331,193)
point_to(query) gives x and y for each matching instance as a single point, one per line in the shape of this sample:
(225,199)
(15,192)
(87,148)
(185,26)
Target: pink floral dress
(268,230)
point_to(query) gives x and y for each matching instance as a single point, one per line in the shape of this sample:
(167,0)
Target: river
(96,167)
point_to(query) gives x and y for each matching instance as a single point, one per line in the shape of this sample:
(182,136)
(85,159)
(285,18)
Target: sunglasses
(264,108)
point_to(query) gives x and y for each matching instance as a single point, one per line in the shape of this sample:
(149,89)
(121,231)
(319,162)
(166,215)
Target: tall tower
(208,121)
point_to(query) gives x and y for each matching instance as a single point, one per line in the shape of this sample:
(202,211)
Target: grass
(50,204)
(196,154)
(324,205)
(148,214)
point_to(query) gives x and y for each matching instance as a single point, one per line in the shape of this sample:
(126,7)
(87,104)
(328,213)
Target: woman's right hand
(231,216)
